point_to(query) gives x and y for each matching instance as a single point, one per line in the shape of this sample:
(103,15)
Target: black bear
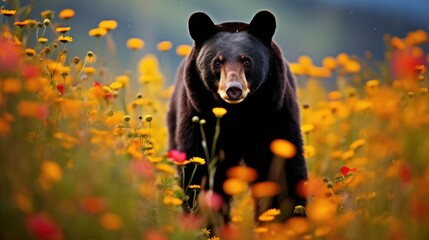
(237,66)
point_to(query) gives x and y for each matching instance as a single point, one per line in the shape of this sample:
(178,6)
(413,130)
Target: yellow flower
(89,70)
(309,151)
(269,215)
(108,24)
(194,186)
(335,95)
(111,221)
(272,212)
(183,50)
(206,231)
(329,62)
(357,144)
(62,29)
(164,46)
(66,13)
(343,58)
(266,218)
(305,60)
(219,112)
(170,200)
(116,85)
(43,40)
(65,39)
(306,128)
(124,79)
(30,52)
(7,12)
(347,155)
(167,168)
(47,14)
(97,32)
(214,238)
(197,160)
(135,43)
(352,66)
(283,148)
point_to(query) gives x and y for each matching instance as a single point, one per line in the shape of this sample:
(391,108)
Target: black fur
(269,112)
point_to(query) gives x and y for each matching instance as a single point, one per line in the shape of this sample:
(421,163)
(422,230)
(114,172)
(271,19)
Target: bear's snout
(234,90)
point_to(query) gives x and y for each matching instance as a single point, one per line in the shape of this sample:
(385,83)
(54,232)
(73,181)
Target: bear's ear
(263,26)
(201,27)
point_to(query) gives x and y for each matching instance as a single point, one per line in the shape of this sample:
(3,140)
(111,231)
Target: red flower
(405,173)
(92,205)
(177,156)
(43,227)
(97,84)
(60,88)
(345,170)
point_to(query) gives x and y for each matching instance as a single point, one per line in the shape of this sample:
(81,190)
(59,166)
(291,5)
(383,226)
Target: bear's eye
(246,62)
(217,63)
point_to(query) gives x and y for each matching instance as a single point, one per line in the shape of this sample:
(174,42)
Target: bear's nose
(234,90)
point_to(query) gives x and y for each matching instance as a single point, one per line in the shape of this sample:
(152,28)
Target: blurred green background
(305,27)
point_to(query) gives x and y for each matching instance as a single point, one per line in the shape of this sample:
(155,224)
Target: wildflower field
(83,150)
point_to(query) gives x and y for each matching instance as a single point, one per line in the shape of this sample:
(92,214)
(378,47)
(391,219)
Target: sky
(316,28)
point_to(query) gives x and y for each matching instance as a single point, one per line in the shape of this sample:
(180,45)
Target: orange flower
(135,43)
(234,186)
(164,46)
(97,32)
(62,29)
(265,189)
(246,174)
(11,85)
(7,12)
(65,39)
(183,50)
(108,24)
(51,171)
(283,148)
(111,221)
(33,110)
(66,13)
(329,62)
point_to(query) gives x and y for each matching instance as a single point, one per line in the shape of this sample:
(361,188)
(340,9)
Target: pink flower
(177,156)
(211,200)
(10,57)
(142,168)
(30,71)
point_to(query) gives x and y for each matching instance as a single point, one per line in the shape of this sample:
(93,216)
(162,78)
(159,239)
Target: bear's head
(232,59)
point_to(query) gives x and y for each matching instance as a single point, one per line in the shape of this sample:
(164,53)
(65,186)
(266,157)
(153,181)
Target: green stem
(183,177)
(80,72)
(215,137)
(204,143)
(192,176)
